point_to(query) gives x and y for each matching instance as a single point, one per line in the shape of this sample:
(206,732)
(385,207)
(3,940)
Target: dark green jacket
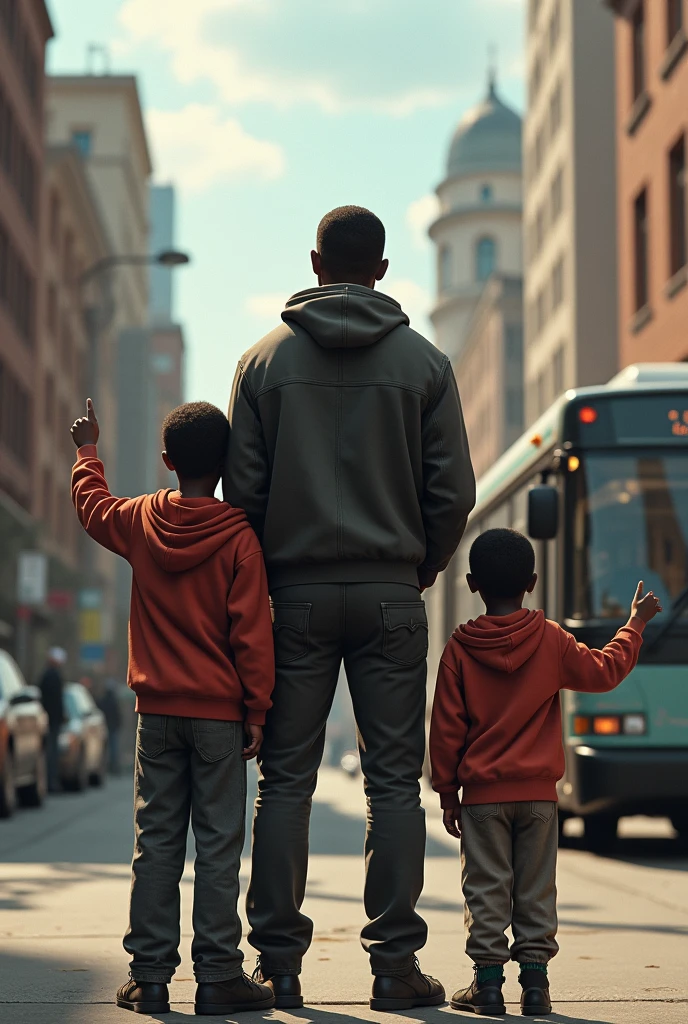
(348,450)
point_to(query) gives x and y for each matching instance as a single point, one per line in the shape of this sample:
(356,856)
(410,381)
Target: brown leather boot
(404,991)
(143,997)
(234,996)
(287,987)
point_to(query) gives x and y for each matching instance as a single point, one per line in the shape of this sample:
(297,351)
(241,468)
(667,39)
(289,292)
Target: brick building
(652,129)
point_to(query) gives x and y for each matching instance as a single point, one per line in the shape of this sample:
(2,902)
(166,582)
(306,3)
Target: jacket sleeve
(448,478)
(108,520)
(250,634)
(591,671)
(448,732)
(246,476)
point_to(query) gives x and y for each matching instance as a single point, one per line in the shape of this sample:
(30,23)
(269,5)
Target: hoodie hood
(181,533)
(344,315)
(502,642)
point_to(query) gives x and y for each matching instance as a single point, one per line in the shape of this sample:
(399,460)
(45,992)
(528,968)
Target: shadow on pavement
(669,854)
(345,1015)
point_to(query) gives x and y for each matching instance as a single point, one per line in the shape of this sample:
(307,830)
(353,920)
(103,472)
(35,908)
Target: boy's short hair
(351,240)
(195,436)
(502,562)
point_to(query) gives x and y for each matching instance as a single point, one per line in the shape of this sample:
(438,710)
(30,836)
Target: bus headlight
(634,725)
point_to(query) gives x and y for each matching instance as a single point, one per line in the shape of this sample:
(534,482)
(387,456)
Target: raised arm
(448,478)
(246,476)
(105,518)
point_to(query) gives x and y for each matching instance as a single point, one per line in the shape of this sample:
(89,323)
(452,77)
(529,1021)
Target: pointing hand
(86,430)
(645,607)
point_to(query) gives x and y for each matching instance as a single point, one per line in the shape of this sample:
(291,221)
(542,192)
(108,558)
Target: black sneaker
(481,997)
(404,991)
(143,997)
(287,987)
(234,996)
(535,1000)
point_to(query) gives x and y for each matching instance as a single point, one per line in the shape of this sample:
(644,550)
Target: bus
(600,483)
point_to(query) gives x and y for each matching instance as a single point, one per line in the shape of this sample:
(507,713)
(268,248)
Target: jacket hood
(502,642)
(181,533)
(344,315)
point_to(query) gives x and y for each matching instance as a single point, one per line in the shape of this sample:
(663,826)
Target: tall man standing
(52,689)
(348,452)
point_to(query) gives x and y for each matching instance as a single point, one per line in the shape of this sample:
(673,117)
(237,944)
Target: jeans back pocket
(150,735)
(214,739)
(290,631)
(405,637)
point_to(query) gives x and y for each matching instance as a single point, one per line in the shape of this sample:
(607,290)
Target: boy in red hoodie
(496,733)
(201,664)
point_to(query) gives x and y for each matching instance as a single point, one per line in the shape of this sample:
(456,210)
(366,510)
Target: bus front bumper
(624,780)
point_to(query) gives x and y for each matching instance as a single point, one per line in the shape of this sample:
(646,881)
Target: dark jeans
(508,874)
(187,767)
(54,782)
(380,632)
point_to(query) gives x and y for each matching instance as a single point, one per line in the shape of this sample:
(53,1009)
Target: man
(51,685)
(109,705)
(348,452)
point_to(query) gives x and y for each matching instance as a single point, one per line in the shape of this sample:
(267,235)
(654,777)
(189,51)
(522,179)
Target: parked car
(83,740)
(23,729)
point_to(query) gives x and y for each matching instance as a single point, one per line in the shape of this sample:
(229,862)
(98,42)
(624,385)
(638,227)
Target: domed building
(479,228)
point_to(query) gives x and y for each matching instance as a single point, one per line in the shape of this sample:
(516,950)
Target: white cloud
(196,57)
(198,146)
(266,305)
(419,216)
(415,300)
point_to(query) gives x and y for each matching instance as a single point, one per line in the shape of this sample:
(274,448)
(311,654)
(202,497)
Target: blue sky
(267,113)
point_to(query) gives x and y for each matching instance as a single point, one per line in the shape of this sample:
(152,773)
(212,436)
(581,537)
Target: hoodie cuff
(255,717)
(449,800)
(87,451)
(636,623)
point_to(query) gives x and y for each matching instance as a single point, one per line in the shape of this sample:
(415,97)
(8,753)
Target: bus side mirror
(543,512)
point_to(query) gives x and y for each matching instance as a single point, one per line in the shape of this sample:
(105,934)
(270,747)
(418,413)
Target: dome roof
(488,138)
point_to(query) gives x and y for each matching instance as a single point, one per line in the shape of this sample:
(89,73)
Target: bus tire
(600,832)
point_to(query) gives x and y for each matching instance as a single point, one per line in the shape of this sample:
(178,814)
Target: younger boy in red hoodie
(496,733)
(201,664)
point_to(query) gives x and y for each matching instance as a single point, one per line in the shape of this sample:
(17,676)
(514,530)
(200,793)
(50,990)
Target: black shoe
(226,997)
(404,991)
(287,987)
(481,997)
(535,1000)
(144,997)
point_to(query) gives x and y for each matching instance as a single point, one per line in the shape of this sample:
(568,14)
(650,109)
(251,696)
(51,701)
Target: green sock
(489,973)
(534,967)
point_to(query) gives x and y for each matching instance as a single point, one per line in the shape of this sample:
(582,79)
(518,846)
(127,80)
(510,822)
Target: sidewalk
(64,876)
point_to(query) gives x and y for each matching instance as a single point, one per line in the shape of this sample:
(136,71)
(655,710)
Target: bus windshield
(629,522)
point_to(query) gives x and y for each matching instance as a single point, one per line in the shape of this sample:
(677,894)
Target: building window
(486,193)
(51,308)
(485,258)
(540,228)
(558,371)
(17,288)
(641,253)
(639,51)
(445,268)
(82,140)
(558,283)
(555,27)
(674,19)
(677,205)
(15,417)
(555,110)
(54,220)
(541,310)
(49,401)
(556,196)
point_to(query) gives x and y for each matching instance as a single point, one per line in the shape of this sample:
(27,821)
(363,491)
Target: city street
(64,876)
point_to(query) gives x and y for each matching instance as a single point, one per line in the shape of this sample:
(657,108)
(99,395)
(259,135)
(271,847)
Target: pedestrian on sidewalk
(201,664)
(51,685)
(496,734)
(109,705)
(348,452)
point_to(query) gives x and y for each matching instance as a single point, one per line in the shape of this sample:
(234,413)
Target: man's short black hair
(351,241)
(502,563)
(195,437)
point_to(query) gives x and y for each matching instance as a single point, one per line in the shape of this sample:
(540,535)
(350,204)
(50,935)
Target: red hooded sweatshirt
(496,718)
(200,628)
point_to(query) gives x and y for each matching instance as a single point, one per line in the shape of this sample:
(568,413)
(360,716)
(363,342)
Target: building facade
(652,137)
(25,28)
(570,200)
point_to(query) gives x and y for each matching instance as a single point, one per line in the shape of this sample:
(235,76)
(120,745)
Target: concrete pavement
(64,875)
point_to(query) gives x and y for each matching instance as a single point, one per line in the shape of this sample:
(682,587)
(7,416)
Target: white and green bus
(600,483)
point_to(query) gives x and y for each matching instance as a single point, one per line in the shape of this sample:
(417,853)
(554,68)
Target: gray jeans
(187,768)
(508,873)
(379,630)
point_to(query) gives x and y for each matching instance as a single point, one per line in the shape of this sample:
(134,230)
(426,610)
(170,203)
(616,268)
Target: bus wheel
(600,832)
